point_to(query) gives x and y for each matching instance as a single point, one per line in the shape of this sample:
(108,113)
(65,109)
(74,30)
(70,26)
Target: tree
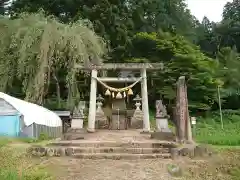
(229,72)
(180,58)
(35,50)
(232,11)
(117,21)
(3,4)
(206,37)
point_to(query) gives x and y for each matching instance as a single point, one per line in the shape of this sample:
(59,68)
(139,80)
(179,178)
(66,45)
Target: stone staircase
(108,144)
(111,150)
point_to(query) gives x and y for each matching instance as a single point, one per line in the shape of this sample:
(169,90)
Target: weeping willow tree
(33,48)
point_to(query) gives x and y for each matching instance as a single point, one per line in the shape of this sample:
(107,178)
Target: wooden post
(146,123)
(92,103)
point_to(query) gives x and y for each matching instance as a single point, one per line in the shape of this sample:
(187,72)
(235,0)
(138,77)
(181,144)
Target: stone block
(174,153)
(168,136)
(118,122)
(77,123)
(101,124)
(162,124)
(69,151)
(74,134)
(136,124)
(137,119)
(50,152)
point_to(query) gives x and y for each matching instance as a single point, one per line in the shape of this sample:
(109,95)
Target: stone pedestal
(162,132)
(76,131)
(74,134)
(77,123)
(162,124)
(101,120)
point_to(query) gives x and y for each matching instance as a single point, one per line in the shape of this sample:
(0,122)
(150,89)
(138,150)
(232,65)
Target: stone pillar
(183,121)
(144,91)
(92,102)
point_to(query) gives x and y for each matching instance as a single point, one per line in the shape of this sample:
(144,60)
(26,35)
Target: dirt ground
(221,166)
(215,168)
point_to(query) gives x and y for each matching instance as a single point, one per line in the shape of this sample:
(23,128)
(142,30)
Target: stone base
(162,124)
(101,120)
(167,136)
(191,151)
(77,123)
(145,132)
(137,124)
(74,134)
(90,130)
(118,122)
(100,124)
(137,119)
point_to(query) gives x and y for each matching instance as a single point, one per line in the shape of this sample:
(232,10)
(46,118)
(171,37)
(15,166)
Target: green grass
(16,164)
(215,135)
(210,131)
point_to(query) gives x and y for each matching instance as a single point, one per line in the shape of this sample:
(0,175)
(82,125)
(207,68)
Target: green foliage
(180,58)
(35,49)
(43,137)
(131,30)
(209,129)
(117,21)
(3,4)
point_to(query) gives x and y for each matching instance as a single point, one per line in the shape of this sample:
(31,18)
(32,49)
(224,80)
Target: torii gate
(143,67)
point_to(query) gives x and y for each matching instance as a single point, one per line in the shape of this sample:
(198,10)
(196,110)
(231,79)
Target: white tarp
(33,113)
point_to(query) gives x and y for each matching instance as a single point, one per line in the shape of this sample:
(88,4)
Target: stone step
(120,150)
(120,156)
(134,144)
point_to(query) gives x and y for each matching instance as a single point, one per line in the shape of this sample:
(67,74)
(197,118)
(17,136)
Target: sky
(211,8)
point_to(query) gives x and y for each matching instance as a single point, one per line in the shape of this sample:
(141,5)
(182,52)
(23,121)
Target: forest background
(207,53)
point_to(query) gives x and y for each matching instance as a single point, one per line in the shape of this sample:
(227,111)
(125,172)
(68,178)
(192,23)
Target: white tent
(33,115)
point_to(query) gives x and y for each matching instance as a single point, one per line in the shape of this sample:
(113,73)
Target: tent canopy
(33,113)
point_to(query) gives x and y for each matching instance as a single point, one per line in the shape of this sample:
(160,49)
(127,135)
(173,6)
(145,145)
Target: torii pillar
(144,92)
(92,103)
